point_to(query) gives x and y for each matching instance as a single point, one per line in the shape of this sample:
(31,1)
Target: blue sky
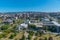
(30,5)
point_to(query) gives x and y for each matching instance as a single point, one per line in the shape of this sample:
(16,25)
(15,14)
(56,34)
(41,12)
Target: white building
(16,18)
(23,25)
(57,25)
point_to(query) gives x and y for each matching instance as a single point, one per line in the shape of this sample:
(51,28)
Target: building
(8,21)
(50,24)
(21,26)
(57,26)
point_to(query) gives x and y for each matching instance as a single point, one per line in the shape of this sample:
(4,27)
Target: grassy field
(9,30)
(52,35)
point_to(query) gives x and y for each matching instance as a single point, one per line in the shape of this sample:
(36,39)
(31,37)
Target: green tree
(12,36)
(52,29)
(7,31)
(30,37)
(45,38)
(13,21)
(39,33)
(32,26)
(31,32)
(23,38)
(36,38)
(4,27)
(45,27)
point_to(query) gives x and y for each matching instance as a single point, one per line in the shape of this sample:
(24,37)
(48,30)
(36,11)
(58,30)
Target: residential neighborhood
(30,26)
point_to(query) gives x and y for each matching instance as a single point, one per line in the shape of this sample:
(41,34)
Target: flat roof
(56,23)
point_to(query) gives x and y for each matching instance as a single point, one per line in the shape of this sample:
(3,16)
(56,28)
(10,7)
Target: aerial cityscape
(30,26)
(29,19)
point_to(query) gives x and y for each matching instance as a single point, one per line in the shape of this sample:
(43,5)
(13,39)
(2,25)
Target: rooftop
(56,23)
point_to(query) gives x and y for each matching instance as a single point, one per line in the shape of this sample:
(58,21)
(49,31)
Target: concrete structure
(45,19)
(53,23)
(47,22)
(38,24)
(57,25)
(23,25)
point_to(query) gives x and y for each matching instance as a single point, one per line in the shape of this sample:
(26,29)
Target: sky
(30,5)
